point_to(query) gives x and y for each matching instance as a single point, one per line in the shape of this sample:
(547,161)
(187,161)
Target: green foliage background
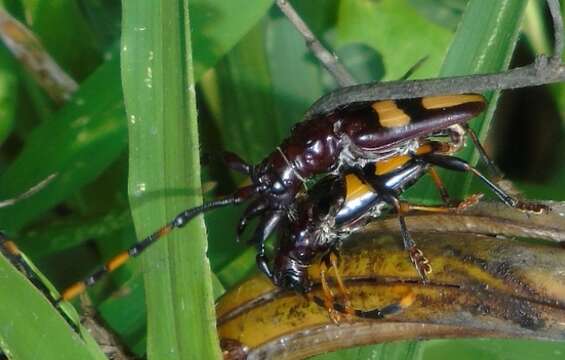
(254,79)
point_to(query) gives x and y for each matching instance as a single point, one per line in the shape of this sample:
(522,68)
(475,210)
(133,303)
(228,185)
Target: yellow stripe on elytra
(385,166)
(390,116)
(355,188)
(447,101)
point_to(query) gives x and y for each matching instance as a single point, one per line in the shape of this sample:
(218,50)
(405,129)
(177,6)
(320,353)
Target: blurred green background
(255,79)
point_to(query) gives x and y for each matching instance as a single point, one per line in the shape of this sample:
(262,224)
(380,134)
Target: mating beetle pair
(382,146)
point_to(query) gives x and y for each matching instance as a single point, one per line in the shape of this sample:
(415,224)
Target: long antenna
(179,221)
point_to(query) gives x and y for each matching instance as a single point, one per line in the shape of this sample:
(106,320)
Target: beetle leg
(265,228)
(373,314)
(457,164)
(417,257)
(439,185)
(262,233)
(335,309)
(346,296)
(328,295)
(421,263)
(236,163)
(468,202)
(263,265)
(256,208)
(494,170)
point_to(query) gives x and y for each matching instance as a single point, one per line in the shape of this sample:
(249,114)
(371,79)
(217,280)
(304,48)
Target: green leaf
(63,31)
(88,134)
(446,13)
(164,177)
(86,137)
(8,86)
(32,327)
(484,43)
(220,25)
(83,138)
(492,349)
(539,37)
(396,31)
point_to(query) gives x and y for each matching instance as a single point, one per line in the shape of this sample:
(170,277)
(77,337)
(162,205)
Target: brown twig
(35,188)
(486,218)
(544,70)
(25,47)
(106,339)
(326,58)
(541,72)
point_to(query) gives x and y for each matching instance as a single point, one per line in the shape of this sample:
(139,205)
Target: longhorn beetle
(338,205)
(346,139)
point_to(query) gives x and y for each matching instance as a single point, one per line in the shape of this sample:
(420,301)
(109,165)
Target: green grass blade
(165,177)
(540,40)
(397,31)
(30,328)
(484,43)
(64,144)
(8,96)
(63,31)
(221,24)
(88,134)
(77,144)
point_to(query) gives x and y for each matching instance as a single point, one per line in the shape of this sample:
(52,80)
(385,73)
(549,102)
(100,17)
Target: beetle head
(290,274)
(275,179)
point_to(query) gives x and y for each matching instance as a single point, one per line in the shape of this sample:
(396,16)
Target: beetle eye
(278,188)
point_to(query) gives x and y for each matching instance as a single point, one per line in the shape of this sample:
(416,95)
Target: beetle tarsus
(469,202)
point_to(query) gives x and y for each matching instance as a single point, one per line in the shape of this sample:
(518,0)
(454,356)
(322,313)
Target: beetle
(351,138)
(338,205)
(348,137)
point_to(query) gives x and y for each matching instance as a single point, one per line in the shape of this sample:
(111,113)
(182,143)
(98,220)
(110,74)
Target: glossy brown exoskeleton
(348,138)
(338,205)
(358,138)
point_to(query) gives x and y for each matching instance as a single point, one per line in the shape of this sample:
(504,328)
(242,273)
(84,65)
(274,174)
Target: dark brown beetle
(352,139)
